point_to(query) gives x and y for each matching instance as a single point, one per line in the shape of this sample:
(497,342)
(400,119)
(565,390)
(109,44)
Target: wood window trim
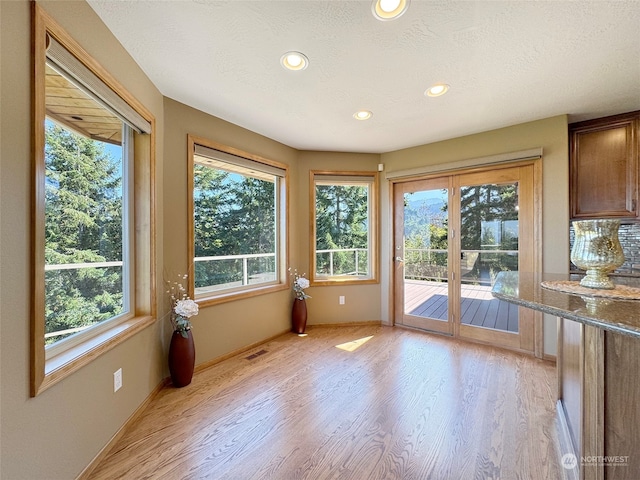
(224,297)
(45,372)
(375,228)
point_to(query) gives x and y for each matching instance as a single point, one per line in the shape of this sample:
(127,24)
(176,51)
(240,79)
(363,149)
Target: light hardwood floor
(402,405)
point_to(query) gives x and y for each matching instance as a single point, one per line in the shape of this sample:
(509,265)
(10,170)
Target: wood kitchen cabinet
(604,167)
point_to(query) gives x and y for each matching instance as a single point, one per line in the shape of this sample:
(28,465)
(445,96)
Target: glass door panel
(497,230)
(422,249)
(426,245)
(489,233)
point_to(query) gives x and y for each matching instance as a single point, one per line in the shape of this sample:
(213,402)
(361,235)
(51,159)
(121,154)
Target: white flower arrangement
(186,308)
(182,307)
(300,283)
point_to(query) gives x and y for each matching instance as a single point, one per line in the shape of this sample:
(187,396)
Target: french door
(453,235)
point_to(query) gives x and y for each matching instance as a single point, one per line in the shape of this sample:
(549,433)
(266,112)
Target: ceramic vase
(182,359)
(299,315)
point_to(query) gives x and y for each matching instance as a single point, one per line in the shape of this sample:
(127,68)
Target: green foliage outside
(426,229)
(487,211)
(83,224)
(236,215)
(233,215)
(489,219)
(342,224)
(487,203)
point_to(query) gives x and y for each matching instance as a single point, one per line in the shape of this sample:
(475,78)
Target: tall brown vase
(182,359)
(299,315)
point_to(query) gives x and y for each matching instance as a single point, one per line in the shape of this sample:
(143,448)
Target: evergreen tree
(482,205)
(341,224)
(426,228)
(233,215)
(486,211)
(211,204)
(83,224)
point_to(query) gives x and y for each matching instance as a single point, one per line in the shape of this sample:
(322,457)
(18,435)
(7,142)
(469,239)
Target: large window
(239,222)
(345,231)
(87,241)
(92,209)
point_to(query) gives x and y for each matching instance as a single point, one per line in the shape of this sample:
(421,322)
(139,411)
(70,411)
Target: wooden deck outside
(479,307)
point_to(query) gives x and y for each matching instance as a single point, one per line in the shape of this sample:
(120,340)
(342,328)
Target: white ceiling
(507,62)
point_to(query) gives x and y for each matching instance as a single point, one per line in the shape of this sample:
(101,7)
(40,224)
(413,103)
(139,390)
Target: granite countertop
(619,316)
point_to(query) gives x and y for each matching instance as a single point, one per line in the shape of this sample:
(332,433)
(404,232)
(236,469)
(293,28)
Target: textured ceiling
(506,62)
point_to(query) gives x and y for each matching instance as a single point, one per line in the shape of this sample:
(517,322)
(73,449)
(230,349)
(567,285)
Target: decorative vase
(182,359)
(597,250)
(299,315)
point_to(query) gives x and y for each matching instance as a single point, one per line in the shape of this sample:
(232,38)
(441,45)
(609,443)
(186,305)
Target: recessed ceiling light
(389,9)
(363,115)
(294,61)
(437,90)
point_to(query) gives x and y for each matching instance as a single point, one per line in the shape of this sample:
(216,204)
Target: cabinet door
(604,168)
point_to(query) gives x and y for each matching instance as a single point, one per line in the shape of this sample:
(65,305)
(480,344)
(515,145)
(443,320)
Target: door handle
(399,259)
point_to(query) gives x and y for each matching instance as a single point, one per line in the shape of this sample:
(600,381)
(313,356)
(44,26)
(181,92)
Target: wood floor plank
(403,405)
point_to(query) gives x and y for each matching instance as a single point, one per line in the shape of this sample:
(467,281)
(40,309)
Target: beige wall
(56,434)
(551,135)
(361,301)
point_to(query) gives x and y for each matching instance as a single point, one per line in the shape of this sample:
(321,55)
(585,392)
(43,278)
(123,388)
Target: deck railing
(331,253)
(246,276)
(245,262)
(76,266)
(436,250)
(217,258)
(436,260)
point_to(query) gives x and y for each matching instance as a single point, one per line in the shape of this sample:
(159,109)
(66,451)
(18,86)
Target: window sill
(336,281)
(68,362)
(232,296)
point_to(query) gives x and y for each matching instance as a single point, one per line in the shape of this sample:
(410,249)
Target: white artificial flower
(302,283)
(186,308)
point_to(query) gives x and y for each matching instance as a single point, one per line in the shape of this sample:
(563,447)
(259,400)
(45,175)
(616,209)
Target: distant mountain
(432,203)
(419,211)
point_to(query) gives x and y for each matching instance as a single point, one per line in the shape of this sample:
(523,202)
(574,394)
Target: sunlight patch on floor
(351,346)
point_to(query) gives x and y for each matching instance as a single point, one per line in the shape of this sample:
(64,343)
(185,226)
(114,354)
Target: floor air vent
(257,354)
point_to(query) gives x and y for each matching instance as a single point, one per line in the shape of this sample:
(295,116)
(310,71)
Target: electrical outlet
(117,380)
(341,299)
